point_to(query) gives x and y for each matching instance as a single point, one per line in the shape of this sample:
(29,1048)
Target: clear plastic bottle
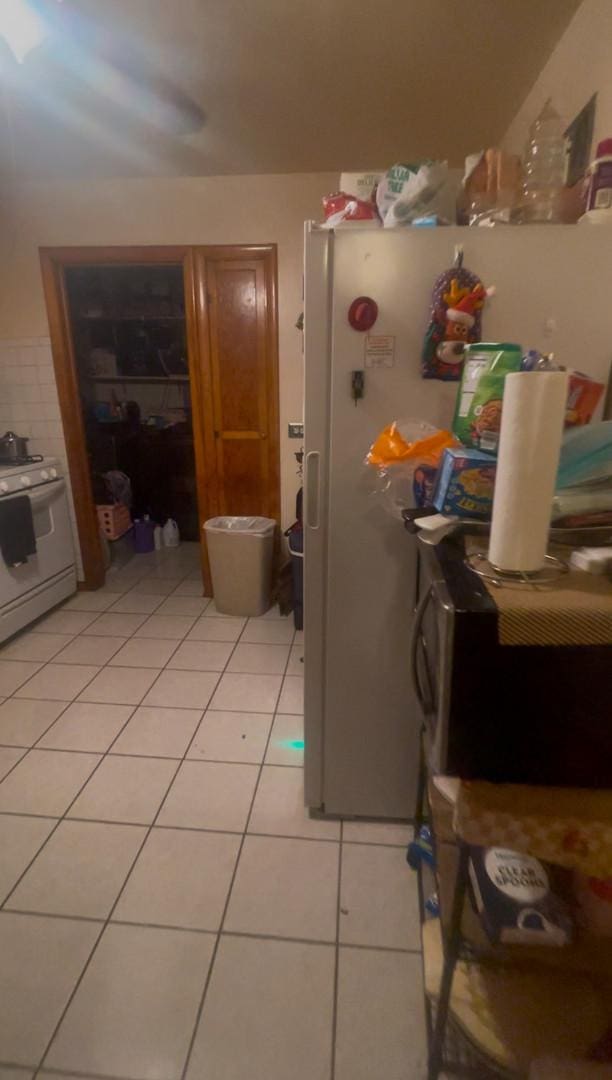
(544,168)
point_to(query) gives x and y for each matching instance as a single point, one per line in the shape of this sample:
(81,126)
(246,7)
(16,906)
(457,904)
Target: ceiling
(285,85)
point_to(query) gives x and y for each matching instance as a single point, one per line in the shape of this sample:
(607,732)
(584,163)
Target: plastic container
(599,173)
(114,520)
(240,550)
(295,538)
(158,538)
(544,168)
(170,534)
(142,536)
(596,217)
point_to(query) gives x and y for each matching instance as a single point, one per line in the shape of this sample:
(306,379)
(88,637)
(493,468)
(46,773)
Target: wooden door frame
(54,261)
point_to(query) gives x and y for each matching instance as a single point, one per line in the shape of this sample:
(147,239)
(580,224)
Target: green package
(479,399)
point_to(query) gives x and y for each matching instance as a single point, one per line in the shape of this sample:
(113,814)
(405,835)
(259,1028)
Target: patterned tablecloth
(571,827)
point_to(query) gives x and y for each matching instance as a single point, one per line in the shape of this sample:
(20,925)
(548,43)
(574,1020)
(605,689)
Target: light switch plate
(296,431)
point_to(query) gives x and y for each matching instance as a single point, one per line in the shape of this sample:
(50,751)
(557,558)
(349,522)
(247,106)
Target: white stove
(47,577)
(27,474)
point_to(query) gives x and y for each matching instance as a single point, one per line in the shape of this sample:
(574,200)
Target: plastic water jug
(544,167)
(170,532)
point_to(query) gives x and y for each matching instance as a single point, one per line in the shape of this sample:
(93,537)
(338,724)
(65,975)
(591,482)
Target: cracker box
(466,479)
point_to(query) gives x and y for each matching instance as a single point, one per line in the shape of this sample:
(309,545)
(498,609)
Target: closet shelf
(138,378)
(131,318)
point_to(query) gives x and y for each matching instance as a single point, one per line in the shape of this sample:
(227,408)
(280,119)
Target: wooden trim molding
(72,419)
(204,485)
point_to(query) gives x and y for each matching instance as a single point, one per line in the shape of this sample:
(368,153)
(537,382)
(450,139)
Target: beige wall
(580,65)
(217,210)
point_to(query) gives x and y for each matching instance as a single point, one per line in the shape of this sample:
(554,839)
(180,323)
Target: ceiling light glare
(21,27)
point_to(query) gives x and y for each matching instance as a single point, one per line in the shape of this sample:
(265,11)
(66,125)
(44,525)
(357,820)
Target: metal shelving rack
(450,1052)
(460,939)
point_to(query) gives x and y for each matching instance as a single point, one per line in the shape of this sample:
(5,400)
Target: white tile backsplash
(32,393)
(28,355)
(29,404)
(46,374)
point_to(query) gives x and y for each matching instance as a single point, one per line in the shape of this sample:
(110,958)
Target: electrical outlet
(296,431)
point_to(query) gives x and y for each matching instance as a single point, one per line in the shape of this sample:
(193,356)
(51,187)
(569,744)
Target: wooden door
(240,331)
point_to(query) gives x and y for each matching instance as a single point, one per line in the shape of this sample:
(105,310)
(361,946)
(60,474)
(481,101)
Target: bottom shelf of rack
(502,1018)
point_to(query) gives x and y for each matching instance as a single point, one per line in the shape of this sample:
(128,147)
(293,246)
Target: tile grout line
(62,817)
(108,752)
(317,941)
(50,1070)
(260,712)
(102,667)
(152,757)
(179,642)
(329,942)
(160,670)
(200,1010)
(107,921)
(202,828)
(336,959)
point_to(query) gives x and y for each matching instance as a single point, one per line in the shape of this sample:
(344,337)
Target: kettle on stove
(13,447)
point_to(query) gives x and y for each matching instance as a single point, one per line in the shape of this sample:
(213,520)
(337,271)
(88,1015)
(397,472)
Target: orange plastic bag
(390,447)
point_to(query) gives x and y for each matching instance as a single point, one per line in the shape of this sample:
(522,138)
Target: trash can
(295,537)
(240,550)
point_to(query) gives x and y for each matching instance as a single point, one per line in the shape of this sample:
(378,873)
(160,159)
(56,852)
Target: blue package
(466,479)
(424,484)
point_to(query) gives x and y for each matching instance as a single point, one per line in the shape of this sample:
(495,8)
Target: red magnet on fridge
(363,313)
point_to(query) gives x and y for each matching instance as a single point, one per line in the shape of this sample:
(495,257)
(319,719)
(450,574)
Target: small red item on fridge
(363,313)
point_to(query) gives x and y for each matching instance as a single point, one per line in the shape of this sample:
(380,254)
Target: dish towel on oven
(17,538)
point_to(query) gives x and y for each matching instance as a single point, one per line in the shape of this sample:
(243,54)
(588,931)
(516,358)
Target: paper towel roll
(529,447)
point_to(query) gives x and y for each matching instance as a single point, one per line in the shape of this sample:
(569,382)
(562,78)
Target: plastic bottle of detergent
(170,533)
(142,535)
(544,168)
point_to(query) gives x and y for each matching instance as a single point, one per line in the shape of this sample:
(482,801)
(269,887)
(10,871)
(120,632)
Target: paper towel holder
(553,569)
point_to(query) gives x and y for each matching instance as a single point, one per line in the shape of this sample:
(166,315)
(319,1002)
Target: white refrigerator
(553,292)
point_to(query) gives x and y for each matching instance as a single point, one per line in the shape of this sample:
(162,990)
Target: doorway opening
(166,361)
(130,347)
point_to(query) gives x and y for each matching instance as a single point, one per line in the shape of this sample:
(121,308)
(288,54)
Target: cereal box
(466,479)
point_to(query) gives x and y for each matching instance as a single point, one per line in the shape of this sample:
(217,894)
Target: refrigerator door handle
(312,488)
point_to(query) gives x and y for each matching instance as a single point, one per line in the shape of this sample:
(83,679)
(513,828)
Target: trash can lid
(253,525)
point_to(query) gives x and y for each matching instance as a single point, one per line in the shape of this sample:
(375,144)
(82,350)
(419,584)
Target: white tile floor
(168,909)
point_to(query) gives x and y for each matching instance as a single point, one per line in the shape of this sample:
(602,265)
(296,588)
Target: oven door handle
(423,697)
(54,487)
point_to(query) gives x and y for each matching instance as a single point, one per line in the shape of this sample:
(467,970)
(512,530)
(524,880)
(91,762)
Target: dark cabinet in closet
(130,345)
